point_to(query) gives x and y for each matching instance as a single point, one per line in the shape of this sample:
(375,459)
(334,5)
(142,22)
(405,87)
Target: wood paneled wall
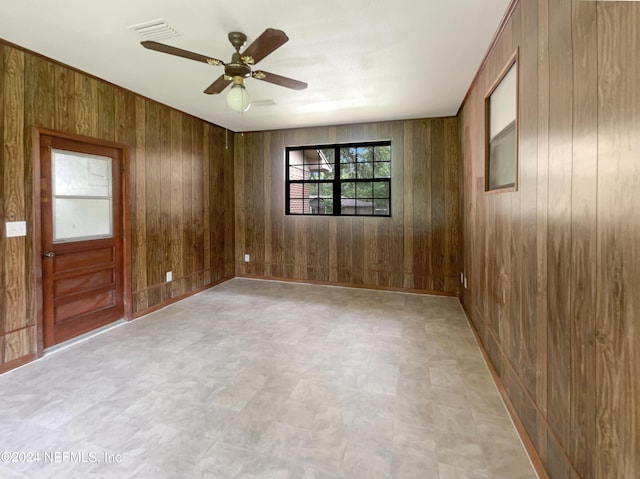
(180,179)
(553,268)
(417,248)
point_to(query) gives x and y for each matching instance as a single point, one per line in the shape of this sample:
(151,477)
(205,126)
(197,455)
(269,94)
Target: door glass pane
(82,218)
(82,196)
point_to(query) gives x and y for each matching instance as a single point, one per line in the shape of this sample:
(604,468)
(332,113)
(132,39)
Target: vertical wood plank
(407,202)
(542,203)
(275,221)
(207,141)
(2,213)
(39,79)
(267,201)
(528,178)
(257,188)
(105,120)
(85,105)
(241,207)
(188,182)
(421,200)
(437,205)
(618,231)
(197,204)
(583,237)
(64,80)
(559,229)
(14,254)
(176,245)
(139,221)
(164,185)
(451,244)
(153,203)
(515,245)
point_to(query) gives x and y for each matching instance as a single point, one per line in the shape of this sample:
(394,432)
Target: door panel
(81,216)
(77,256)
(78,283)
(71,308)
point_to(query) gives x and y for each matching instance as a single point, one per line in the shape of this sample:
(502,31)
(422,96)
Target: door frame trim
(37,133)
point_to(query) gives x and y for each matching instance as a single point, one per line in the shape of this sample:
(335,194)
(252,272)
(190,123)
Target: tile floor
(266,379)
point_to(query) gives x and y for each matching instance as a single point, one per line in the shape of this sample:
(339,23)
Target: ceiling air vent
(263,103)
(154,30)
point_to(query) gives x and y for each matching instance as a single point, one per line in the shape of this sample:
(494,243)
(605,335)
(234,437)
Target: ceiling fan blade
(266,43)
(160,47)
(279,80)
(218,85)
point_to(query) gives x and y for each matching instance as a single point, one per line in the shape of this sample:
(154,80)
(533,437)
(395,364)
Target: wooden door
(81,235)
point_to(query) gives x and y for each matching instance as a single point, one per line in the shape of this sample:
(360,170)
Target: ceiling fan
(240,66)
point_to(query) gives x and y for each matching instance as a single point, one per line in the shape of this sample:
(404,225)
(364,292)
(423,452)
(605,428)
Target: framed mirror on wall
(501,130)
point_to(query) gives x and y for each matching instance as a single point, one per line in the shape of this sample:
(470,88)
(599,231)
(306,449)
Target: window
(339,180)
(501,106)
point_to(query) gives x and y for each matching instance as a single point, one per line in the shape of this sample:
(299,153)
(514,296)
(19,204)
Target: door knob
(49,254)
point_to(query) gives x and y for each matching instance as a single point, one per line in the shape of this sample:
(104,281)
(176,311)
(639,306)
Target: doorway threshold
(83,337)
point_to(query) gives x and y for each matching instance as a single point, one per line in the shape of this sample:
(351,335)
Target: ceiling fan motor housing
(237,68)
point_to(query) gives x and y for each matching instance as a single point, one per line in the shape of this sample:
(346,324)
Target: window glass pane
(365,153)
(348,155)
(321,206)
(502,166)
(312,189)
(348,189)
(364,207)
(382,153)
(381,207)
(365,169)
(77,174)
(381,189)
(298,198)
(298,172)
(319,164)
(297,168)
(326,190)
(296,157)
(348,171)
(382,169)
(85,218)
(364,190)
(503,103)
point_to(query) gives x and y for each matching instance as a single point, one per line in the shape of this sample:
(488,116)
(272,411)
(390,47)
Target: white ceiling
(364,60)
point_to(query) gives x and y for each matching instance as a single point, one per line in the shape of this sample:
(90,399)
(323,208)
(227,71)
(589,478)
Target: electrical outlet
(169,276)
(465,282)
(247,258)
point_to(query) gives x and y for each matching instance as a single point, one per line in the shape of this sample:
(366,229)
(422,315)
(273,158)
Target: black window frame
(337,181)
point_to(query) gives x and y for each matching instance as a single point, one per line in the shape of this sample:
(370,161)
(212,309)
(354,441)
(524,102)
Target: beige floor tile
(257,379)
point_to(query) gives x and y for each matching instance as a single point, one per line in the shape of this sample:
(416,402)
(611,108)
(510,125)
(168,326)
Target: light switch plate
(16,228)
(169,276)
(247,258)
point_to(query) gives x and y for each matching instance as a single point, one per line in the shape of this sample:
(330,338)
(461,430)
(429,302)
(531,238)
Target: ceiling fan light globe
(238,99)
